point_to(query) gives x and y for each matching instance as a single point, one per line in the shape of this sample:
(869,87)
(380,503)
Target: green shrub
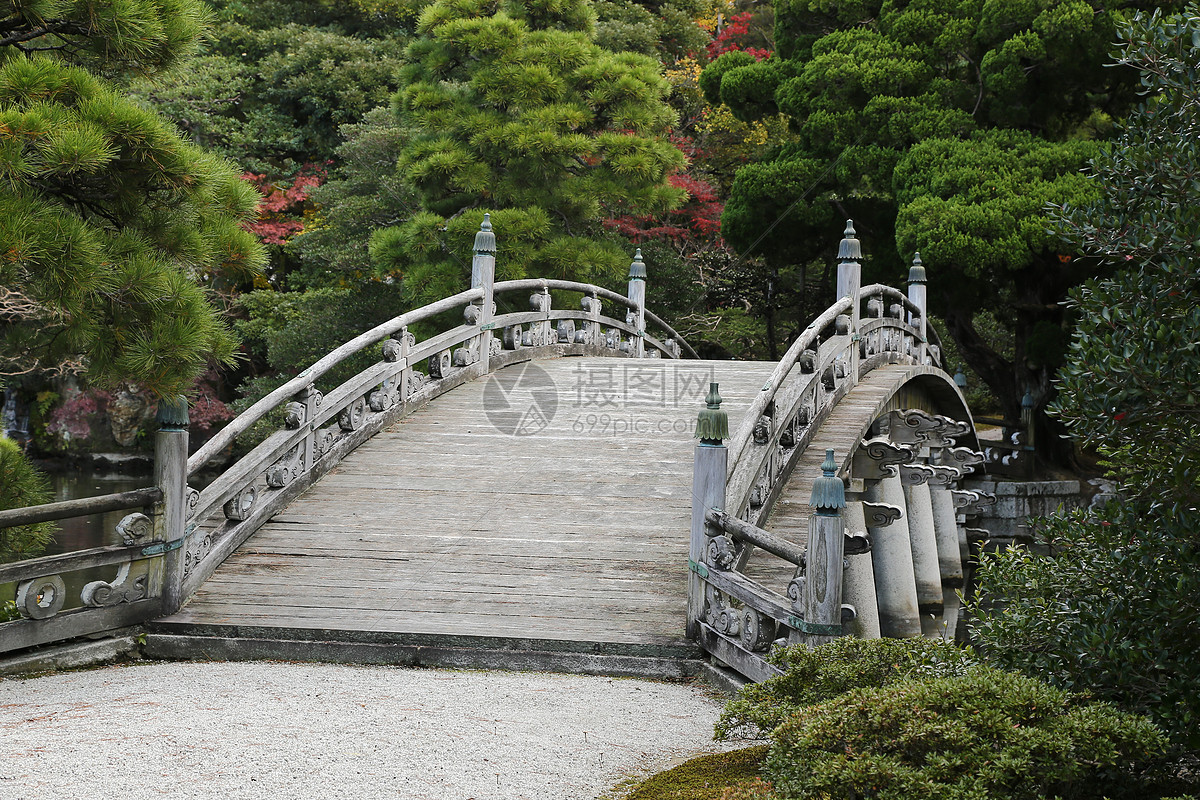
(1113,611)
(21,485)
(813,676)
(980,735)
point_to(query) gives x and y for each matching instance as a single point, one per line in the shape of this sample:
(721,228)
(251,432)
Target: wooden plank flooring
(445,524)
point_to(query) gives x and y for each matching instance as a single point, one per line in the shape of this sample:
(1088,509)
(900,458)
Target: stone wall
(1017,501)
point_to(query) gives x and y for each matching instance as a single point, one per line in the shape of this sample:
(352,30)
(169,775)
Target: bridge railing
(867,327)
(182,533)
(739,476)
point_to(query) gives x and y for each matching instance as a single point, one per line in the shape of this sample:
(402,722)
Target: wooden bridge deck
(444,524)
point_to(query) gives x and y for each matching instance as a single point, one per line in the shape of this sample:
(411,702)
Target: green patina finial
(850,249)
(712,426)
(828,493)
(637,270)
(917,273)
(172,413)
(485,240)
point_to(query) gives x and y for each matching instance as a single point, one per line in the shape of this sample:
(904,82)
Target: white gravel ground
(318,731)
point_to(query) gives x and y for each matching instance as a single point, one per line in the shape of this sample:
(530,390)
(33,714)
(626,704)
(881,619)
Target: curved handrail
(244,421)
(599,291)
(738,441)
(741,437)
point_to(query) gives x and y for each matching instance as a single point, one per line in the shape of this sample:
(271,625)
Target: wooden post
(637,296)
(917,296)
(483,274)
(821,616)
(709,466)
(895,581)
(849,281)
(858,587)
(926,573)
(170,475)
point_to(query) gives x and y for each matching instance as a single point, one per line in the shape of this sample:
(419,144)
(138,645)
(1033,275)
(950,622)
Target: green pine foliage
(1115,609)
(109,221)
(20,486)
(940,127)
(514,110)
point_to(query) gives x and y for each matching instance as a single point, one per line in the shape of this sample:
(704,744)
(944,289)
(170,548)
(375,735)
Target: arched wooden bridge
(525,490)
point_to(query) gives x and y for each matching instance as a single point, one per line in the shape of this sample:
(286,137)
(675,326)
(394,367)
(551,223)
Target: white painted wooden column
(709,464)
(637,296)
(895,582)
(849,281)
(483,275)
(170,476)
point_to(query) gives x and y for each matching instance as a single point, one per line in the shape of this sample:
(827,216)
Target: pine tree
(109,222)
(516,111)
(945,128)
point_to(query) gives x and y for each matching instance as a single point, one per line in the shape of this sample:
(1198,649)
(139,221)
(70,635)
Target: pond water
(97,530)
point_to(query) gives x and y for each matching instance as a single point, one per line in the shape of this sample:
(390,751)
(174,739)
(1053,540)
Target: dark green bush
(1113,611)
(984,734)
(21,485)
(813,676)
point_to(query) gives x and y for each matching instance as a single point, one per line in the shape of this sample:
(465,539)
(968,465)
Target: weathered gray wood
(758,537)
(708,492)
(24,633)
(442,523)
(84,506)
(165,577)
(246,419)
(923,539)
(749,664)
(70,562)
(752,594)
(895,581)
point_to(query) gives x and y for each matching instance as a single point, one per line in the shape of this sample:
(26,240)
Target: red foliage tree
(732,37)
(281,213)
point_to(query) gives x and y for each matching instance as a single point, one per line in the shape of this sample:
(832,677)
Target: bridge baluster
(849,281)
(170,475)
(709,464)
(821,611)
(917,295)
(483,275)
(637,296)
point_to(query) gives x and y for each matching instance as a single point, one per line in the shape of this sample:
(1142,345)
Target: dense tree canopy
(950,123)
(1123,586)
(108,219)
(514,110)
(275,82)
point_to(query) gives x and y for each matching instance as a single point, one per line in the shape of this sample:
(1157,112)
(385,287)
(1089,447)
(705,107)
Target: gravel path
(317,731)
